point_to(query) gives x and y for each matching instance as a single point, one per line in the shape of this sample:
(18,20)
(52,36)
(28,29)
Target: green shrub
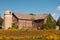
(14,27)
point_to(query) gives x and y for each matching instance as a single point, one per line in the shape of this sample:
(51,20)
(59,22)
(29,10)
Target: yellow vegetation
(29,34)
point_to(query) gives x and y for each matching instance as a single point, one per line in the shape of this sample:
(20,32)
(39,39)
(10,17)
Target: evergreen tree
(58,22)
(32,14)
(50,24)
(1,20)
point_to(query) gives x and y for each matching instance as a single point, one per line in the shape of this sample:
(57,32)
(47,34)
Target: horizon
(31,6)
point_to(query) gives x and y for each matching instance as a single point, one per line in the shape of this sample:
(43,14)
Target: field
(29,34)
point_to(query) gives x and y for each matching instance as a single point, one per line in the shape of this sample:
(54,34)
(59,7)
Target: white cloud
(58,8)
(53,14)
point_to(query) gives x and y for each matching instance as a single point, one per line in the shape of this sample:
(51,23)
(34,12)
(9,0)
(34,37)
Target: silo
(7,19)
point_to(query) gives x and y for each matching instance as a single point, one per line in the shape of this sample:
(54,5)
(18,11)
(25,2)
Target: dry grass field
(29,34)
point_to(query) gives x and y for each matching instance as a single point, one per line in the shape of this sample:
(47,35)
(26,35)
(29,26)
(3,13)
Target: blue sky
(31,6)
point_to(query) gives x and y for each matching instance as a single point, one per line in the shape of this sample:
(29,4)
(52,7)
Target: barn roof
(28,16)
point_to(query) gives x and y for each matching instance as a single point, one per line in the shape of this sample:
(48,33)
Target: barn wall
(24,24)
(38,23)
(14,20)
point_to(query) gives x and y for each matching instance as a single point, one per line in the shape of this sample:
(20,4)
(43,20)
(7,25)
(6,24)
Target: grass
(29,34)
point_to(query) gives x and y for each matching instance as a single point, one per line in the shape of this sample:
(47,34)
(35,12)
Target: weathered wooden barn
(29,21)
(26,21)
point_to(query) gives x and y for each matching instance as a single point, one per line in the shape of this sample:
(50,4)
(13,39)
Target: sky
(31,6)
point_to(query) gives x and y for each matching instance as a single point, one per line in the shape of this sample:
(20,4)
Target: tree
(32,14)
(50,24)
(58,22)
(1,21)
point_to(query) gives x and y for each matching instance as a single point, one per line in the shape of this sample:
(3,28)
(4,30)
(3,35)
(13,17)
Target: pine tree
(58,22)
(1,20)
(50,24)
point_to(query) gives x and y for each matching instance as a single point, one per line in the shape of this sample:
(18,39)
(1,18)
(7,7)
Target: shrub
(14,27)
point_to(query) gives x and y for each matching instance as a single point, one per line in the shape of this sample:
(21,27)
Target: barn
(26,21)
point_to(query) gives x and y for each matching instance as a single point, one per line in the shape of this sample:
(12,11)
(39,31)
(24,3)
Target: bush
(14,27)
